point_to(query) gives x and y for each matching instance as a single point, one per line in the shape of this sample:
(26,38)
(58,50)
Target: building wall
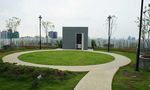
(9,34)
(3,34)
(52,34)
(69,37)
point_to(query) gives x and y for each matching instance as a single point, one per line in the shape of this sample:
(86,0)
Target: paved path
(99,76)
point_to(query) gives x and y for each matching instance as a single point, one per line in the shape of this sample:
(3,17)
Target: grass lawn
(128,79)
(70,58)
(14,77)
(25,78)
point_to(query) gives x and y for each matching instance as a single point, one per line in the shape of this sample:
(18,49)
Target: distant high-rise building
(4,35)
(52,34)
(16,34)
(131,38)
(9,34)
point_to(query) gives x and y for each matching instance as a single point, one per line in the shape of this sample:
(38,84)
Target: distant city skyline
(88,13)
(9,34)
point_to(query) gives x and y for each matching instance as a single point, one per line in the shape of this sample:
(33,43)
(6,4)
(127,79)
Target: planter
(144,62)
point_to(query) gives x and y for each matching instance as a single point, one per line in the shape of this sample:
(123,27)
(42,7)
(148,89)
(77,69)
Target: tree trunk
(46,37)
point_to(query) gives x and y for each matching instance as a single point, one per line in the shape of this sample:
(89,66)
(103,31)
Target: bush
(10,70)
(93,43)
(59,44)
(5,47)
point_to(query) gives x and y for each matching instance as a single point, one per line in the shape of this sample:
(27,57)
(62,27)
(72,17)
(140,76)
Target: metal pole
(139,41)
(109,18)
(40,29)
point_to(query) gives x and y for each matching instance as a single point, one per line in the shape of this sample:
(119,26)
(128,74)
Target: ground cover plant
(127,78)
(70,58)
(13,77)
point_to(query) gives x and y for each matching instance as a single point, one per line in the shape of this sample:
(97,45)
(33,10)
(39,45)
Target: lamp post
(139,40)
(40,17)
(109,19)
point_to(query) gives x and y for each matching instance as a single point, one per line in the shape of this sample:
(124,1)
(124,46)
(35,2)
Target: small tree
(93,43)
(12,24)
(59,43)
(145,29)
(47,25)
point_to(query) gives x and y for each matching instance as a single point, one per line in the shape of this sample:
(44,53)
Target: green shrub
(93,43)
(10,70)
(13,77)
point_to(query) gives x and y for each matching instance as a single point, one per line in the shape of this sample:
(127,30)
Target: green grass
(25,78)
(70,58)
(11,84)
(128,79)
(14,77)
(125,79)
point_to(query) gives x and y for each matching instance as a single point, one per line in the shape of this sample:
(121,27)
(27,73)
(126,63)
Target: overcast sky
(90,13)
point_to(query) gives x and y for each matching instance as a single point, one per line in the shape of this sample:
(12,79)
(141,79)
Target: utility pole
(40,17)
(109,34)
(139,41)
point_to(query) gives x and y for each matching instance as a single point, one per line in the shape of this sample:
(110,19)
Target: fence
(116,43)
(21,42)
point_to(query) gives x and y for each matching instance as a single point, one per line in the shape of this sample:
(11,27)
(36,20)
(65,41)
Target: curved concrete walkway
(99,76)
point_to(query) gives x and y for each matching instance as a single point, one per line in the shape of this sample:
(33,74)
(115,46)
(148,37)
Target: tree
(12,24)
(93,43)
(59,43)
(145,33)
(47,25)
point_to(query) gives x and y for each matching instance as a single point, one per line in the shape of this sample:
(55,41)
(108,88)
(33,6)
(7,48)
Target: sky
(83,13)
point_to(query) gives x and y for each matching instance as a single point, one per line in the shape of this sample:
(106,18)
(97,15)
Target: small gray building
(75,38)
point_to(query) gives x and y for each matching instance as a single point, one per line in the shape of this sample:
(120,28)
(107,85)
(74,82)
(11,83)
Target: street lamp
(109,18)
(110,25)
(139,41)
(40,17)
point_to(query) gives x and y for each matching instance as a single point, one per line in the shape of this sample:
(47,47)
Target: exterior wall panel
(69,37)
